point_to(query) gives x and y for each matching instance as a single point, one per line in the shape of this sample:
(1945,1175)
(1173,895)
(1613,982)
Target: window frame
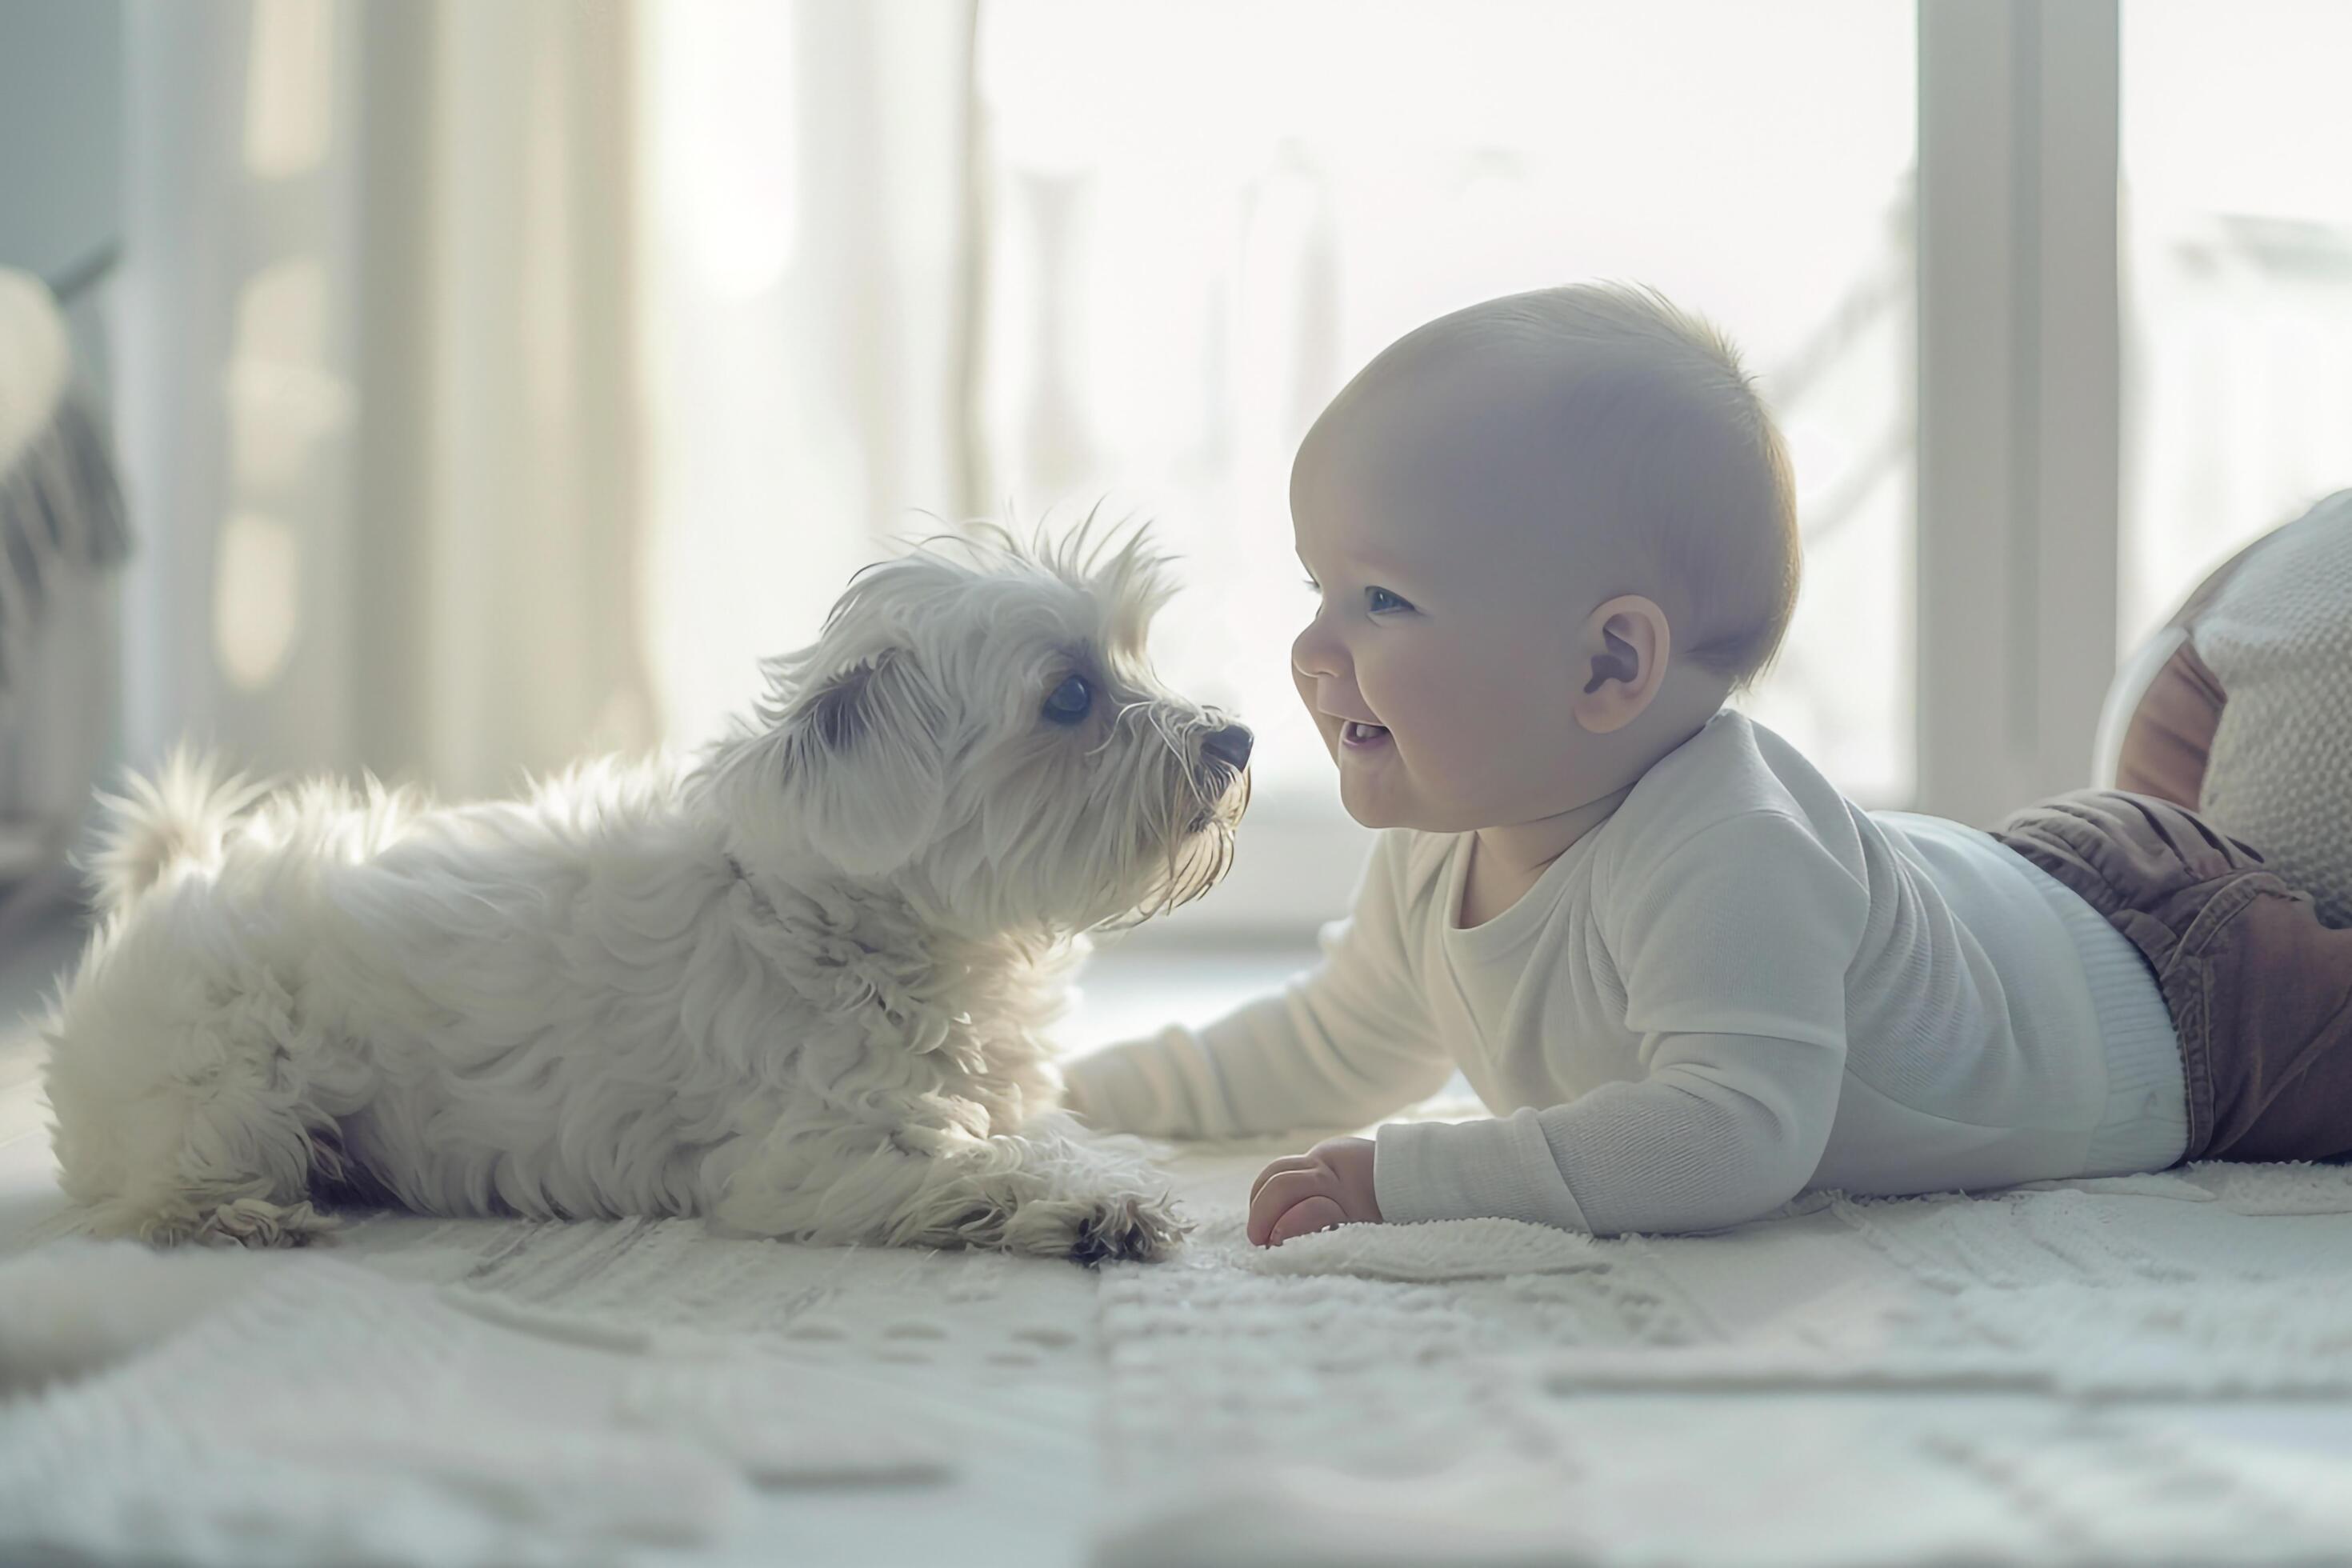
(2018,520)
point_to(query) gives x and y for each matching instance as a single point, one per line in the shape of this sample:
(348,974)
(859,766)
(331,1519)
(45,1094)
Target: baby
(1550,536)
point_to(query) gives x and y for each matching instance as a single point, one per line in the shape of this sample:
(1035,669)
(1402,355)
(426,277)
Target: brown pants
(2259,990)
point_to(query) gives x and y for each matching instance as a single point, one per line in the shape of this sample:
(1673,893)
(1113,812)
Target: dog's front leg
(1048,1191)
(1081,1198)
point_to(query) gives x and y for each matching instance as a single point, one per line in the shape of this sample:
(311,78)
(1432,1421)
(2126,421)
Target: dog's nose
(1230,744)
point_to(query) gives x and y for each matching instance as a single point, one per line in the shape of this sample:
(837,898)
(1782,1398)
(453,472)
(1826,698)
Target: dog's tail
(182,813)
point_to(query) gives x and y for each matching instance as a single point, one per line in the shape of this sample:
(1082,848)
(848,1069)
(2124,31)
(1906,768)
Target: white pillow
(2276,636)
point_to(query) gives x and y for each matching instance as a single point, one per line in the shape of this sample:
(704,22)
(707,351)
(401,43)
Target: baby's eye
(1312,585)
(1379,599)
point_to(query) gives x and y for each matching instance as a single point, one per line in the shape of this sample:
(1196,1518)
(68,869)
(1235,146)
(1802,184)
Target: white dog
(798,988)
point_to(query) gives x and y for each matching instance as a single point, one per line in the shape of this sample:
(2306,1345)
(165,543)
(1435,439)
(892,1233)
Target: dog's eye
(1070,701)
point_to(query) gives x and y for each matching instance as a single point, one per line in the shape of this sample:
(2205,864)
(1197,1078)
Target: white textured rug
(486,1392)
(2156,1368)
(470,1428)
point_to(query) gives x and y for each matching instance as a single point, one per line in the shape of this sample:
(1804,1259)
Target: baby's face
(1440,666)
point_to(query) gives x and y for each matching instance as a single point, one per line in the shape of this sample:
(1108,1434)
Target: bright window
(1204,218)
(2237,264)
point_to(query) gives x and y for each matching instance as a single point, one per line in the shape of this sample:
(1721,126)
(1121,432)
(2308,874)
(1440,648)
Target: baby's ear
(1621,651)
(864,767)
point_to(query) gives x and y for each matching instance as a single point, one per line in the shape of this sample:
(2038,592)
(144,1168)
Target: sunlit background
(494,384)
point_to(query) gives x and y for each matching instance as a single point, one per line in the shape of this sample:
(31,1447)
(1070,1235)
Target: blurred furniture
(61,222)
(61,532)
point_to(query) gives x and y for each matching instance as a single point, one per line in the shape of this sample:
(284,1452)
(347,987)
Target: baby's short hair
(1673,447)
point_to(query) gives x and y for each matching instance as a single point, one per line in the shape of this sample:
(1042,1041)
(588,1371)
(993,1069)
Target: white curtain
(501,381)
(808,317)
(379,401)
(497,469)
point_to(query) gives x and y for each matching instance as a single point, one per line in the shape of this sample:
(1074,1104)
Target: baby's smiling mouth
(1357,732)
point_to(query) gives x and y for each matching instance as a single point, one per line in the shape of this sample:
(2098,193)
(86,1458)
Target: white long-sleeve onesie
(1738,985)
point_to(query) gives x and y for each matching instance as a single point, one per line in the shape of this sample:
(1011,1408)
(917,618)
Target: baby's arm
(1733,949)
(1726,1127)
(1343,1044)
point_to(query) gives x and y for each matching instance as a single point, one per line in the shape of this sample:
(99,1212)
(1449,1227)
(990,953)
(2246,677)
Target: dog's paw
(1133,1229)
(255,1222)
(1127,1228)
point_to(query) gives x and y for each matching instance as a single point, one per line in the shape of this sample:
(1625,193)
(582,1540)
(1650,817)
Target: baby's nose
(1230,744)
(1314,655)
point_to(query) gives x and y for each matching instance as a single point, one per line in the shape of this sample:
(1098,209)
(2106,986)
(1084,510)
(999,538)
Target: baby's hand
(1329,1185)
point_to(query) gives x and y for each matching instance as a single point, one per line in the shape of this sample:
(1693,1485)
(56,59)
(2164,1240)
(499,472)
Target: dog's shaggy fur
(798,988)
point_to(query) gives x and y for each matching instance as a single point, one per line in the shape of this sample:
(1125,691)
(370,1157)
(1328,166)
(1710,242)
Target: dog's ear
(865,765)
